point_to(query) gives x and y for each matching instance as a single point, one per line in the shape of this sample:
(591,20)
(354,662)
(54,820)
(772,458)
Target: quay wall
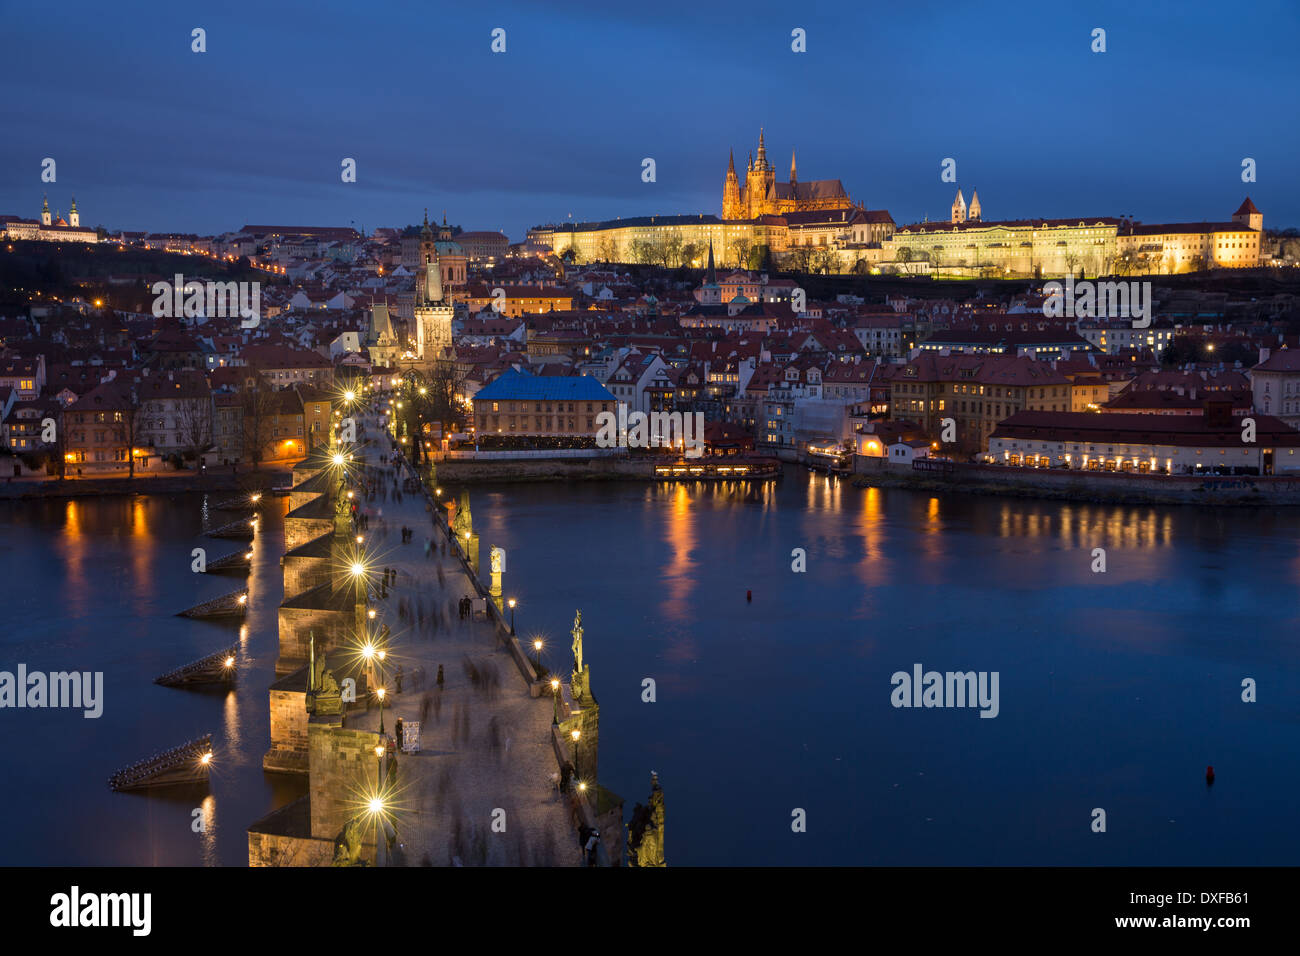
(172,483)
(1243,490)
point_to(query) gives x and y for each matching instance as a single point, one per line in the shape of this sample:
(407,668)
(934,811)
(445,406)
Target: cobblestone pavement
(483,748)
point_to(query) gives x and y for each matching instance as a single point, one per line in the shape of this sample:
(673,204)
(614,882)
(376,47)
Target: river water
(1115,689)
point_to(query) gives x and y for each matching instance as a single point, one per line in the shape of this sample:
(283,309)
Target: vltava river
(1115,690)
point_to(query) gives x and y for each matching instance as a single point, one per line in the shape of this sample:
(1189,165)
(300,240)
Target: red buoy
(749,596)
(1209,774)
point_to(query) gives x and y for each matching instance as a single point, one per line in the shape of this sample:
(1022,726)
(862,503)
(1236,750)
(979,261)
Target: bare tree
(607,249)
(672,251)
(194,417)
(260,404)
(740,250)
(826,259)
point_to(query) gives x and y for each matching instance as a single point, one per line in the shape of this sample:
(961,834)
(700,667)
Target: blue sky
(149,135)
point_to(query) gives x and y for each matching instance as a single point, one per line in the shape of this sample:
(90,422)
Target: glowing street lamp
(379,692)
(555,697)
(511,602)
(575,734)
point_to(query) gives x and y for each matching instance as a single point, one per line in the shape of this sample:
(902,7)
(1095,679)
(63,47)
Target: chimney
(1264,353)
(1218,413)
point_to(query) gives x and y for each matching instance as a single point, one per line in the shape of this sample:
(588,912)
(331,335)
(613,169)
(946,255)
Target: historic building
(50,228)
(762,195)
(433,310)
(1186,246)
(970,245)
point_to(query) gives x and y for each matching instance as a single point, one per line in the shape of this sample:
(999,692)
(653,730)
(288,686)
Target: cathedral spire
(709,276)
(794,176)
(762,150)
(731,162)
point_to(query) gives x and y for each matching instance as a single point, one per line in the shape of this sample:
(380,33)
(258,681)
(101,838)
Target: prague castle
(762,195)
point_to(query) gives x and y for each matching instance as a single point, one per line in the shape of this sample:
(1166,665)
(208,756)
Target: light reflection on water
(1117,688)
(97,584)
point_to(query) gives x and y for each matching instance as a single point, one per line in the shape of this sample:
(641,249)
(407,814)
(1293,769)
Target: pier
(187,764)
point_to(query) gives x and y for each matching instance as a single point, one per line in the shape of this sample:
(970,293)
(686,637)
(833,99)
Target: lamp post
(537,653)
(511,602)
(555,697)
(379,692)
(575,734)
(376,807)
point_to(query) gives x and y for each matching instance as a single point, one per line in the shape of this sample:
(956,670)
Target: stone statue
(498,560)
(577,643)
(645,832)
(347,846)
(329,700)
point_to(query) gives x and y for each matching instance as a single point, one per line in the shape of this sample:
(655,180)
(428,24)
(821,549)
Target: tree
(607,249)
(260,404)
(692,251)
(826,259)
(672,251)
(798,258)
(904,254)
(740,247)
(194,417)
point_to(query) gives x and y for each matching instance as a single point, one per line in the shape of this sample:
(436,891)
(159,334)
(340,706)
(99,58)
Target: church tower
(974,213)
(959,208)
(45,212)
(762,185)
(794,175)
(74,219)
(731,205)
(433,313)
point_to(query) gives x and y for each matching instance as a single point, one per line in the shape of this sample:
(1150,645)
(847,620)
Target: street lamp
(511,602)
(379,692)
(575,734)
(537,652)
(555,697)
(376,808)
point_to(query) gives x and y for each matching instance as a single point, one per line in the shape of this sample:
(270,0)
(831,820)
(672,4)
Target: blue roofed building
(544,411)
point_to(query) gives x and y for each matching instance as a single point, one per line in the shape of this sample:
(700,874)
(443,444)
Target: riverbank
(1094,487)
(471,471)
(171,483)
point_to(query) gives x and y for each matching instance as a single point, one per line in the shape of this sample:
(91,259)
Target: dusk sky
(151,136)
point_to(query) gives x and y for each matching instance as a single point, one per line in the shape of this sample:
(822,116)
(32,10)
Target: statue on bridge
(347,846)
(645,833)
(577,643)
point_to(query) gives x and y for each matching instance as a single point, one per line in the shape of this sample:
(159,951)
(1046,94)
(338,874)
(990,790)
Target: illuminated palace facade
(969,245)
